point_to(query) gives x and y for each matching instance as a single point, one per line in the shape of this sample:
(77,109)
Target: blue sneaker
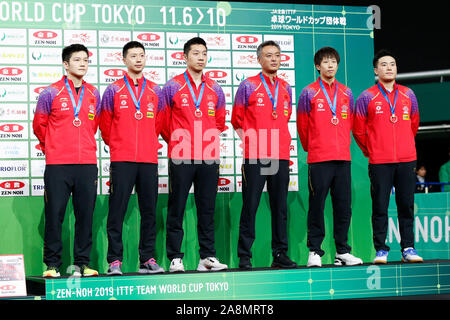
(381,257)
(410,255)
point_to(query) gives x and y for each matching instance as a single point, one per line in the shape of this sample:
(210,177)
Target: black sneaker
(244,263)
(281,260)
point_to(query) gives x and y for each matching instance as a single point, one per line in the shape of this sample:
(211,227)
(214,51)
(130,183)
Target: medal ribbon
(76,110)
(332,105)
(274,101)
(387,99)
(137,103)
(200,96)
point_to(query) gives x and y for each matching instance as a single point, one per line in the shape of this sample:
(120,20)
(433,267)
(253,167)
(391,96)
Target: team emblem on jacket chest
(123,98)
(320,104)
(378,107)
(64,104)
(184,99)
(260,99)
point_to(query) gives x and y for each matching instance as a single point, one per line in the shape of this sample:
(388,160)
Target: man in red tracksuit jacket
(65,122)
(261,112)
(194,112)
(324,123)
(386,122)
(129,125)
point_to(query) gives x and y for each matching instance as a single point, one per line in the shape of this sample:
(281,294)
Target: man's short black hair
(265,44)
(190,42)
(326,52)
(380,54)
(131,45)
(69,50)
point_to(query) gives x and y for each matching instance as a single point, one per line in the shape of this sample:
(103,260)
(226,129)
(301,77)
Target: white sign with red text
(12,276)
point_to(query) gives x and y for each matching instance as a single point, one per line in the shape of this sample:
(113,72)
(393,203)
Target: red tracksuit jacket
(130,139)
(323,140)
(188,136)
(266,137)
(378,137)
(61,141)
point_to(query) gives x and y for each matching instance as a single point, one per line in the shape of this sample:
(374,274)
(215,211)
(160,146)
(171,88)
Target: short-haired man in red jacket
(386,123)
(324,123)
(129,125)
(65,122)
(194,108)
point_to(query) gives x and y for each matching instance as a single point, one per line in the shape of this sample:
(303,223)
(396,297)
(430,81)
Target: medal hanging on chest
(137,103)
(334,119)
(198,113)
(76,122)
(138,115)
(393,117)
(76,107)
(274,101)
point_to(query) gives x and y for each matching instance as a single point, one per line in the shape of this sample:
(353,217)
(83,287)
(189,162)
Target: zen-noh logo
(7,287)
(148,37)
(216,74)
(223,182)
(38,90)
(12,185)
(11,128)
(117,73)
(45,34)
(10,71)
(284,57)
(177,55)
(247,39)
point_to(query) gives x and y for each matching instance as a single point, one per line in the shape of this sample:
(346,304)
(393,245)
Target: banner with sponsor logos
(30,59)
(33,33)
(12,276)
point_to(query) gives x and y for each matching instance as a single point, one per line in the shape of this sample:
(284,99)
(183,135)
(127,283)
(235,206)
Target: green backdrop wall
(42,28)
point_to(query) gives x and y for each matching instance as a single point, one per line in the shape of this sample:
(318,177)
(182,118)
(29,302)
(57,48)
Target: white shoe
(410,255)
(346,259)
(176,265)
(381,257)
(210,264)
(314,260)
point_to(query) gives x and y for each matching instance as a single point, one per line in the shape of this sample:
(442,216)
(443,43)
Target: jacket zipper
(137,141)
(395,142)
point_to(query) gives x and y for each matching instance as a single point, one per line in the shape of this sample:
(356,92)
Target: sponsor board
(14,187)
(27,70)
(246,41)
(150,39)
(45,37)
(12,276)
